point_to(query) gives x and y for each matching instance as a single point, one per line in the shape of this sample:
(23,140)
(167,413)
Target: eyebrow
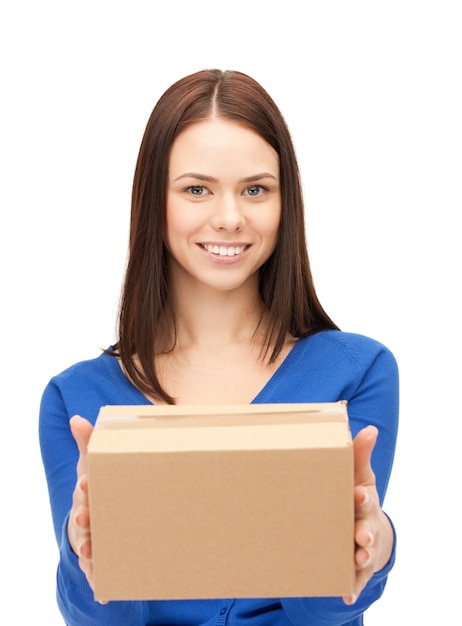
(211,179)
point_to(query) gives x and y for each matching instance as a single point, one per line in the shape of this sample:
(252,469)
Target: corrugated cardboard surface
(218,502)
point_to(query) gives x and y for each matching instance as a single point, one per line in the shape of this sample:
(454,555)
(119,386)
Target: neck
(210,318)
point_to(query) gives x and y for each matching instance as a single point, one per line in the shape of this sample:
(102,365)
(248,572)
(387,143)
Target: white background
(372,94)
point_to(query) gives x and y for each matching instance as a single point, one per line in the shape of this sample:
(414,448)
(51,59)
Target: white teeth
(223,250)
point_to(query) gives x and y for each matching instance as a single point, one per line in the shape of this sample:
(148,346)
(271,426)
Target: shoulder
(88,385)
(343,362)
(336,365)
(88,368)
(84,386)
(359,350)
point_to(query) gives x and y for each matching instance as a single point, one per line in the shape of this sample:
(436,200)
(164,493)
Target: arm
(66,480)
(373,413)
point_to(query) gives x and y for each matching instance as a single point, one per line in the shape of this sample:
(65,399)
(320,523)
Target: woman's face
(223,205)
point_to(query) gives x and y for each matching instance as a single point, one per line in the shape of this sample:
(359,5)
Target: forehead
(219,142)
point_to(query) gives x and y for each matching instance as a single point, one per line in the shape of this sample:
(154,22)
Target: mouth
(224,251)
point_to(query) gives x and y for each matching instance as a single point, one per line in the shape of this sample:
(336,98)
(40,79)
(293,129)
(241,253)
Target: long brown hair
(285,281)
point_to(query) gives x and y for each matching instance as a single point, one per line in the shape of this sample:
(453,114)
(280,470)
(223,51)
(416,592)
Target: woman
(218,306)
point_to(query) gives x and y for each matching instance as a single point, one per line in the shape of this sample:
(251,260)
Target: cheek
(272,224)
(175,225)
(171,238)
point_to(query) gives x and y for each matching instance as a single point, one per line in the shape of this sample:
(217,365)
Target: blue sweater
(326,367)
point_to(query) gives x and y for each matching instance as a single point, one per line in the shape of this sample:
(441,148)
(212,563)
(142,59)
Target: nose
(228,214)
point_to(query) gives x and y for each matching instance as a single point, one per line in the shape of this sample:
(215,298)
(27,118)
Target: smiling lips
(223,250)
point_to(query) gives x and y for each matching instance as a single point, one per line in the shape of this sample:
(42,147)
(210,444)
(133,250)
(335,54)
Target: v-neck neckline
(259,398)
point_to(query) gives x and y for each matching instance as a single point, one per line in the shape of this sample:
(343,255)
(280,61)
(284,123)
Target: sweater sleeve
(60,455)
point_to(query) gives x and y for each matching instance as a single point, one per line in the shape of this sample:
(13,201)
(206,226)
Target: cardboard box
(222,501)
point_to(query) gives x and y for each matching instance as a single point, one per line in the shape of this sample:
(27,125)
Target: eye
(255,190)
(197,190)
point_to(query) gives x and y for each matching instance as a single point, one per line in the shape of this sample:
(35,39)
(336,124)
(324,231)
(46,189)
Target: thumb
(81,430)
(363,446)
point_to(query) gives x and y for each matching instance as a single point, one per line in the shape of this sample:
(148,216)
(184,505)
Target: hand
(78,528)
(373,532)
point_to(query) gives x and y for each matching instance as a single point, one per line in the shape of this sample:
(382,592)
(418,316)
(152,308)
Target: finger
(364,569)
(78,528)
(363,446)
(80,495)
(364,537)
(85,547)
(82,517)
(365,499)
(79,520)
(81,430)
(362,578)
(86,565)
